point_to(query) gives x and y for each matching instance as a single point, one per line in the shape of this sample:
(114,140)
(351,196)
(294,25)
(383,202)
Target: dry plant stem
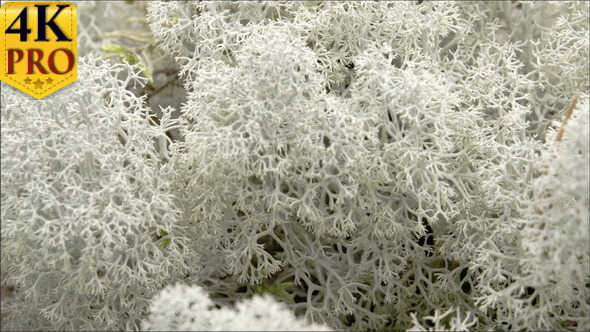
(568,115)
(558,137)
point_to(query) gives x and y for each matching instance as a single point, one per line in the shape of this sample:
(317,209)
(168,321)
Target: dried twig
(559,136)
(568,115)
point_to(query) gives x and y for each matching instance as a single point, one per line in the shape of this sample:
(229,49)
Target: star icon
(49,81)
(28,80)
(38,84)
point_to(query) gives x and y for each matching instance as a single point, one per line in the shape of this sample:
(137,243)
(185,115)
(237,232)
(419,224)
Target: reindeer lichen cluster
(84,206)
(370,165)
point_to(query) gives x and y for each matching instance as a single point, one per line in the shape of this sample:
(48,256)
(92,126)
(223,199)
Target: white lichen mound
(369,164)
(188,308)
(84,208)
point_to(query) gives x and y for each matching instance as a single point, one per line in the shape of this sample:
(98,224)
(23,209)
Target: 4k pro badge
(38,42)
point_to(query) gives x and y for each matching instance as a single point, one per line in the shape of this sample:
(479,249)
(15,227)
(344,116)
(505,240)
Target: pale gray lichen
(369,164)
(84,207)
